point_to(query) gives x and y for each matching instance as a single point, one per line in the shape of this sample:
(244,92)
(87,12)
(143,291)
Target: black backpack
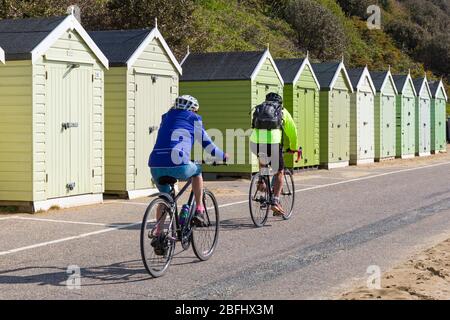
(268,115)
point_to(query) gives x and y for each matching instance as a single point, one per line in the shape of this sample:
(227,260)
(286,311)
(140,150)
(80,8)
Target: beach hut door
(153,99)
(69,138)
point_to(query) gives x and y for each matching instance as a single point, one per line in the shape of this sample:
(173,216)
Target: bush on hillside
(318,30)
(356,7)
(435,53)
(406,34)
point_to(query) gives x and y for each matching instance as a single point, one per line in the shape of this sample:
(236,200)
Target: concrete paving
(344,221)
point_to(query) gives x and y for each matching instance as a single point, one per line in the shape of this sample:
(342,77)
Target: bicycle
(260,198)
(169,229)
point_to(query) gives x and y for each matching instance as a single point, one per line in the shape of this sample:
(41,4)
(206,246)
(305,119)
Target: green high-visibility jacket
(274,136)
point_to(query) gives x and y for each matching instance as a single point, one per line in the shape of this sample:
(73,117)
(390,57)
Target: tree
(318,30)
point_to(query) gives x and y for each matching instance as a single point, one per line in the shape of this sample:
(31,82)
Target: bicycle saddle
(167,181)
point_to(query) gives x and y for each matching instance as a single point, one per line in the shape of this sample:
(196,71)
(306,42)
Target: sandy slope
(424,276)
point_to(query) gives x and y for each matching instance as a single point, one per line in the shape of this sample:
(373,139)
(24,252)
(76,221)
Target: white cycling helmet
(187,103)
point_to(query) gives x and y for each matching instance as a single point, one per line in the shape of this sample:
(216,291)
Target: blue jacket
(176,136)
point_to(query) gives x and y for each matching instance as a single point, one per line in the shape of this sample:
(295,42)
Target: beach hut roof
(24,39)
(328,72)
(435,86)
(380,79)
(124,47)
(357,76)
(291,69)
(420,83)
(401,81)
(215,66)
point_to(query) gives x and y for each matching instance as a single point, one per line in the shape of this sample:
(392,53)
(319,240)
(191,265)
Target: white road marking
(6,218)
(63,221)
(134,203)
(84,235)
(43,244)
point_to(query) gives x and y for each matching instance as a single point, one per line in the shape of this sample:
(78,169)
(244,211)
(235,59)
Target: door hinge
(93,173)
(136,172)
(46,75)
(46,177)
(92,78)
(136,87)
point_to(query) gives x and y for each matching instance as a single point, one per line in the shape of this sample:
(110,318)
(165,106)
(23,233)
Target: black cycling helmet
(274,97)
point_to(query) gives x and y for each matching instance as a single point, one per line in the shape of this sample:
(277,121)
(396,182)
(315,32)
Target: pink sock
(200,207)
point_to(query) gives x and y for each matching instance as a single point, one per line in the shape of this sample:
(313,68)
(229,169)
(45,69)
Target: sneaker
(199,219)
(160,245)
(277,209)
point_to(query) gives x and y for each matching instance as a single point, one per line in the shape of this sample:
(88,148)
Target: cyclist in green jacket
(271,142)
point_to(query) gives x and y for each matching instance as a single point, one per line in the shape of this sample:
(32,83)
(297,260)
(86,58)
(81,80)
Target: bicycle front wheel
(158,237)
(259,200)
(287,198)
(205,239)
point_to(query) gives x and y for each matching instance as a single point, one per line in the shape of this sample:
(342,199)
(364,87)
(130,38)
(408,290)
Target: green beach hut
(334,114)
(51,114)
(228,86)
(362,126)
(385,115)
(423,117)
(140,86)
(406,117)
(301,99)
(438,117)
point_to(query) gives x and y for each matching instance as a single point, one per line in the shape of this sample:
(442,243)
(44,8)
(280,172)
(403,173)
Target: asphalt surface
(344,221)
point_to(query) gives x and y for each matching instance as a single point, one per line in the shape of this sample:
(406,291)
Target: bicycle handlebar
(299,154)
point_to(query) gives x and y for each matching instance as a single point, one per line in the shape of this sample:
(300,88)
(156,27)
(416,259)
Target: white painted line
(134,203)
(373,177)
(327,185)
(5,218)
(62,221)
(84,235)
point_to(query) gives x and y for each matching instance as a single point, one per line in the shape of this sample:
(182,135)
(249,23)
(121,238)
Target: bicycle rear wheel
(287,198)
(158,237)
(259,200)
(205,239)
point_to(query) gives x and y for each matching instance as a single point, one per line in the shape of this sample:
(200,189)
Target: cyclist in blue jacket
(171,156)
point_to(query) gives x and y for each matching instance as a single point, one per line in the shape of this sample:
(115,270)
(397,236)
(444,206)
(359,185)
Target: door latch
(152,129)
(68,125)
(70,186)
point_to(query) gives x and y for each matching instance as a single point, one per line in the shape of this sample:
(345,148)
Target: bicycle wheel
(259,200)
(158,237)
(287,198)
(205,239)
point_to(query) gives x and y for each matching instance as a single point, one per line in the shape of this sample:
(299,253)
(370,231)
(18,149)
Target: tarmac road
(344,221)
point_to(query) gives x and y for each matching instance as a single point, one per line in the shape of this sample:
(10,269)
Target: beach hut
(438,117)
(51,114)
(385,115)
(301,99)
(406,117)
(362,126)
(228,86)
(140,86)
(334,114)
(2,55)
(423,117)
